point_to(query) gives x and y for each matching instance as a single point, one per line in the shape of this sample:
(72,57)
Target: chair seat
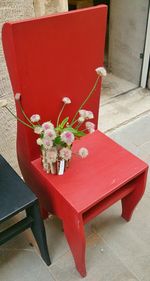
(91,185)
(88,181)
(15,196)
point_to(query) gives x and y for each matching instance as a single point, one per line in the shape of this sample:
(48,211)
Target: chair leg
(44,212)
(74,232)
(38,230)
(132,199)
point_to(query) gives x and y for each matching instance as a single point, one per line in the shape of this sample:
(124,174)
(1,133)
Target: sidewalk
(116,250)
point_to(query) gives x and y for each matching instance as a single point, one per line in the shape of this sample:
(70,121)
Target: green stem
(89,95)
(78,126)
(84,130)
(18,118)
(75,122)
(60,114)
(25,114)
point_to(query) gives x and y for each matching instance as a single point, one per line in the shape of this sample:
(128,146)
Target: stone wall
(127,28)
(46,7)
(10,10)
(14,10)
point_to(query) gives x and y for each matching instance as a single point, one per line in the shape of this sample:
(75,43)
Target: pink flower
(35,118)
(50,133)
(90,127)
(47,143)
(17,96)
(52,155)
(65,153)
(38,130)
(47,125)
(83,152)
(86,114)
(66,100)
(67,137)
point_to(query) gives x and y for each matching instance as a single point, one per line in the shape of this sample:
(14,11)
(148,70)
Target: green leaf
(57,140)
(63,123)
(58,129)
(75,132)
(70,129)
(80,134)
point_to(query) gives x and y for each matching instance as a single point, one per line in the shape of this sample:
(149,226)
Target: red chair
(49,58)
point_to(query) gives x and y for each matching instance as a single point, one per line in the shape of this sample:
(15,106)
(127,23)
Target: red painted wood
(89,186)
(107,168)
(52,57)
(49,58)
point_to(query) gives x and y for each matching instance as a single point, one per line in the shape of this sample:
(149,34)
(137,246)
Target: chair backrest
(52,57)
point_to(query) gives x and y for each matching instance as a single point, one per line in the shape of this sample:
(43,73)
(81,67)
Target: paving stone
(123,109)
(141,267)
(21,241)
(139,130)
(56,240)
(125,141)
(135,133)
(22,265)
(17,243)
(129,241)
(101,265)
(113,86)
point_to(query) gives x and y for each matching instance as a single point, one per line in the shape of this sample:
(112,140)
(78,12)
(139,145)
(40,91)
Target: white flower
(38,130)
(101,71)
(86,114)
(45,166)
(51,155)
(91,131)
(17,96)
(65,153)
(50,133)
(81,119)
(39,141)
(47,143)
(67,137)
(66,100)
(47,125)
(35,118)
(3,103)
(90,127)
(83,113)
(83,152)
(90,115)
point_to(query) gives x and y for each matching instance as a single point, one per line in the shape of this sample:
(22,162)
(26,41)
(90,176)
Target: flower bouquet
(56,141)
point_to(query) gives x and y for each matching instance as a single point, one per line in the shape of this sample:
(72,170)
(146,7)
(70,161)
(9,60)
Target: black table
(15,197)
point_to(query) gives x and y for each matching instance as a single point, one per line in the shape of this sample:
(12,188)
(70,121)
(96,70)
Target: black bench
(15,197)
